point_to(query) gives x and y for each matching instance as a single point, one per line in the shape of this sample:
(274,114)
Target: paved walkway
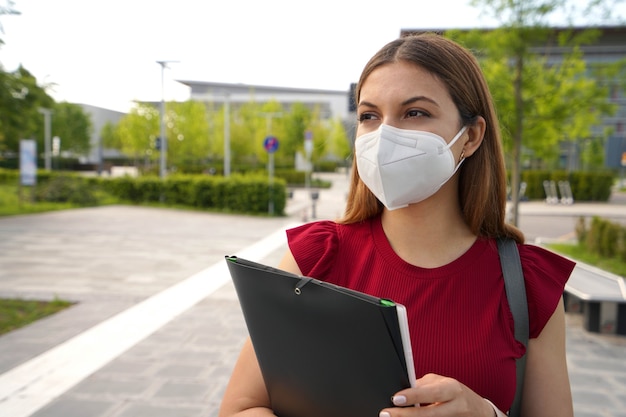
(157,326)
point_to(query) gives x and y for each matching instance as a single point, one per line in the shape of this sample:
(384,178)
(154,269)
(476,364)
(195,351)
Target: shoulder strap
(516,296)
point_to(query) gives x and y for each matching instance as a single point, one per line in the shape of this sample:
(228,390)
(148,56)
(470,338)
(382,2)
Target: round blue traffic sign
(270,144)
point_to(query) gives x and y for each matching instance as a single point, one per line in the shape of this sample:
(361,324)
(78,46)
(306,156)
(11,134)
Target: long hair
(482,177)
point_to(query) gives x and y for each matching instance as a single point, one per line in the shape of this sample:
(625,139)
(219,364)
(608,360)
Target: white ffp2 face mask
(401,167)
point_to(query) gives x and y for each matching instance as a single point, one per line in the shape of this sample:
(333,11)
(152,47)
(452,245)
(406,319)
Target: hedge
(586,186)
(238,193)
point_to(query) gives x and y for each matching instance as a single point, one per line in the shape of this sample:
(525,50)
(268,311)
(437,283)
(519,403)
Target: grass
(18,313)
(12,203)
(15,201)
(580,253)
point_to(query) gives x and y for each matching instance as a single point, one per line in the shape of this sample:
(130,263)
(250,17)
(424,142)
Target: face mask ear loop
(456,137)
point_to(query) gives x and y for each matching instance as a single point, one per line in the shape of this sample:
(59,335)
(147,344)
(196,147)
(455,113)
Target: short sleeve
(546,274)
(314,247)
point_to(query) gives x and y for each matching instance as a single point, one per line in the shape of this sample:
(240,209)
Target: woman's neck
(428,234)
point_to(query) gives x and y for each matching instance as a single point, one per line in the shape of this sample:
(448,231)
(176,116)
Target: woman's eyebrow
(367,103)
(408,101)
(419,98)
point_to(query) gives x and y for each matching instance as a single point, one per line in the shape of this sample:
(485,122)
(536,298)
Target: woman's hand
(438,396)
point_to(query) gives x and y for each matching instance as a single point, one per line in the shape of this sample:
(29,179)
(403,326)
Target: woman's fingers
(437,395)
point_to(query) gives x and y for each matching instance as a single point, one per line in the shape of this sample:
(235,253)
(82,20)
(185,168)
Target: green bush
(66,189)
(581,229)
(8,176)
(602,237)
(237,193)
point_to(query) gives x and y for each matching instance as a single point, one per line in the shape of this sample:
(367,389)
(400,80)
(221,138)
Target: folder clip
(301,283)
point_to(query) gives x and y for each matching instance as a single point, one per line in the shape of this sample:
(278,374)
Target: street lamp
(46,118)
(163,139)
(226,133)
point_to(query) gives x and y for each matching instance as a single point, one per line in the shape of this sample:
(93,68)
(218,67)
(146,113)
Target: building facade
(330,103)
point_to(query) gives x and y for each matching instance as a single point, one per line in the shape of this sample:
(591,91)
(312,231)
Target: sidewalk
(158,327)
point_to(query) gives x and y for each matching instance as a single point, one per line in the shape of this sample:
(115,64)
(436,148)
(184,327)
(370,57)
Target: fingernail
(384,414)
(398,399)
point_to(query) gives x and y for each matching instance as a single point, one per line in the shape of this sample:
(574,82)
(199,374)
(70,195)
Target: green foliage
(602,237)
(20,100)
(72,125)
(196,130)
(136,133)
(560,101)
(66,189)
(298,179)
(592,186)
(236,194)
(586,186)
(580,253)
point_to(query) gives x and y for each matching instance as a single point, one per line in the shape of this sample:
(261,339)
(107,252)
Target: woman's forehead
(402,80)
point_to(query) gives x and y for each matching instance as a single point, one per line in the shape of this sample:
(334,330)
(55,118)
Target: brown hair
(482,177)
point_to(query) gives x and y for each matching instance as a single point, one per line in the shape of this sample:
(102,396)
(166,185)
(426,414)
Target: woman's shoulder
(538,261)
(318,243)
(545,275)
(325,230)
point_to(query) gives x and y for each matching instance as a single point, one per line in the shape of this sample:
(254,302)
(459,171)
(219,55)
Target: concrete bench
(600,296)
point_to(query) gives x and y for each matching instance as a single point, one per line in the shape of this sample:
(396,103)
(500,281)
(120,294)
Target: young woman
(427,200)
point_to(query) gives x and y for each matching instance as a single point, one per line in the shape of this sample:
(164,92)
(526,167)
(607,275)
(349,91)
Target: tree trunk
(517,141)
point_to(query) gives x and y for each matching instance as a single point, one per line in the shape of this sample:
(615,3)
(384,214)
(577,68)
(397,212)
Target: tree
(338,143)
(20,100)
(137,133)
(186,130)
(7,9)
(296,123)
(110,137)
(534,98)
(71,124)
(187,133)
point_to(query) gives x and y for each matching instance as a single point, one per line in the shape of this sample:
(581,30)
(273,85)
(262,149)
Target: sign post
(28,164)
(56,150)
(271,145)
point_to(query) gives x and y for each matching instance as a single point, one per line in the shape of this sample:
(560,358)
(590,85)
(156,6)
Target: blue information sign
(270,144)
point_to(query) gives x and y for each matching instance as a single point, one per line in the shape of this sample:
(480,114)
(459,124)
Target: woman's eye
(366,116)
(415,113)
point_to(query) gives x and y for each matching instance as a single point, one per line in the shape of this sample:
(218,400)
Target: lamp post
(163,139)
(46,118)
(226,133)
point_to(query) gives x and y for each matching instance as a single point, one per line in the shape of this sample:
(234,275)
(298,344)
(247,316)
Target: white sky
(104,52)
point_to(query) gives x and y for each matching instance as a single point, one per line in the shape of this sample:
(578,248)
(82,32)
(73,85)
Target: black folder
(324,350)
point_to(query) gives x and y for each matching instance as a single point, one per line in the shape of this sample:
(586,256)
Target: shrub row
(586,186)
(236,193)
(602,237)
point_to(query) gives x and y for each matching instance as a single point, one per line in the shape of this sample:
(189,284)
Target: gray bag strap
(516,296)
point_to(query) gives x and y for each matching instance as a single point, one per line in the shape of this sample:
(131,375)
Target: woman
(427,200)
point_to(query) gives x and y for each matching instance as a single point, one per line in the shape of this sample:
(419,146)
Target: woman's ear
(475,136)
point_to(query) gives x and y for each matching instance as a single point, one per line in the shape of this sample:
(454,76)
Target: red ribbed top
(460,322)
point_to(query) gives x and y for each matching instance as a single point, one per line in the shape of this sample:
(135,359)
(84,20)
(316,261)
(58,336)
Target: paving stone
(148,410)
(108,387)
(185,390)
(69,407)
